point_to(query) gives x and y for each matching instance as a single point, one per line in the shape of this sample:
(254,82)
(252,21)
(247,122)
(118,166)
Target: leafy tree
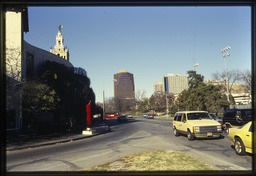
(38,97)
(173,109)
(200,96)
(73,90)
(194,79)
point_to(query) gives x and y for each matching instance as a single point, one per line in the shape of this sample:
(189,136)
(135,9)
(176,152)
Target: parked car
(213,116)
(122,118)
(129,116)
(241,138)
(233,118)
(149,116)
(196,124)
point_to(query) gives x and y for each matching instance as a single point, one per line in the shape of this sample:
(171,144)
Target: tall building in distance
(158,87)
(59,48)
(124,85)
(175,84)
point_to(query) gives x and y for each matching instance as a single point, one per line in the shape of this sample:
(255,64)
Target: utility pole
(224,57)
(167,111)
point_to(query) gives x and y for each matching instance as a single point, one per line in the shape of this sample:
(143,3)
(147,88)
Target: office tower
(175,84)
(124,85)
(158,87)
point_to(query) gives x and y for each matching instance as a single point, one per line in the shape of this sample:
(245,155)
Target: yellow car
(241,138)
(196,124)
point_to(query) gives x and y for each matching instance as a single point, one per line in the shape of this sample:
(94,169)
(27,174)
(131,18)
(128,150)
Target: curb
(59,141)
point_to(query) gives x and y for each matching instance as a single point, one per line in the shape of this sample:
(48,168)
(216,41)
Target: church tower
(59,48)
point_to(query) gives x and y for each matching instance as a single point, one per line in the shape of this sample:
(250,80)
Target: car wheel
(176,133)
(239,147)
(190,136)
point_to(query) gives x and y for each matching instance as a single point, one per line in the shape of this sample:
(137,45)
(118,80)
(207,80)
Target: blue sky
(149,42)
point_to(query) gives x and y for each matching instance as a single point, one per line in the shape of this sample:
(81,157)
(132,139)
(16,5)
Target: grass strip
(159,160)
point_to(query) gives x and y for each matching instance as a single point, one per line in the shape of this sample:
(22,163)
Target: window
(183,118)
(247,114)
(179,116)
(250,129)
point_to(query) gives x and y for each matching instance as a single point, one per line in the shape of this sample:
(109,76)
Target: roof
(192,112)
(123,71)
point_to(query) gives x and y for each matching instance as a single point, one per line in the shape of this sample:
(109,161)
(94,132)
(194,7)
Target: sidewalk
(26,142)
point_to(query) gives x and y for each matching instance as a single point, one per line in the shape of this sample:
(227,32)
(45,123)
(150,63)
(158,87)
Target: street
(125,138)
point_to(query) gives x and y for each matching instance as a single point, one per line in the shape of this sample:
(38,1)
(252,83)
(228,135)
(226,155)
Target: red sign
(88,115)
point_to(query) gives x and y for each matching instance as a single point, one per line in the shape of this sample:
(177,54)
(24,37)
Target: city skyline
(154,40)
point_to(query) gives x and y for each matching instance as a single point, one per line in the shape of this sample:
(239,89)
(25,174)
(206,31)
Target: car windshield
(198,116)
(213,116)
(247,114)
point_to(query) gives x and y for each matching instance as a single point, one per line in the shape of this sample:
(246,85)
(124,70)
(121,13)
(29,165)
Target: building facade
(124,85)
(241,94)
(16,23)
(158,87)
(174,84)
(22,60)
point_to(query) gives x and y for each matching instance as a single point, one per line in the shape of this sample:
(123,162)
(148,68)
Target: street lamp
(224,57)
(196,65)
(103,107)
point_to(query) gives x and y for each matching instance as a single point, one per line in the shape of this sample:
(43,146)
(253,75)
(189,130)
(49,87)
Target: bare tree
(110,104)
(14,84)
(118,104)
(233,76)
(13,63)
(140,95)
(246,77)
(159,101)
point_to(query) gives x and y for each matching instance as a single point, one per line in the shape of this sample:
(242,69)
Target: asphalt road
(125,138)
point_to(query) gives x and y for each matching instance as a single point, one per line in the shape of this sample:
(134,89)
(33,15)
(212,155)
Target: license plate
(209,134)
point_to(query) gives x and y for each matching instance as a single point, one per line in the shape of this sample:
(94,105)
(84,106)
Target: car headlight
(196,129)
(218,128)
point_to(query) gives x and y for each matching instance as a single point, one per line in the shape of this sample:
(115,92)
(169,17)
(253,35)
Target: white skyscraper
(175,83)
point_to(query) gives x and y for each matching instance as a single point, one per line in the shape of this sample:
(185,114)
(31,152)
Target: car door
(248,137)
(246,115)
(178,121)
(183,124)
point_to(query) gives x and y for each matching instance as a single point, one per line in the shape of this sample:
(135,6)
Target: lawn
(160,160)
